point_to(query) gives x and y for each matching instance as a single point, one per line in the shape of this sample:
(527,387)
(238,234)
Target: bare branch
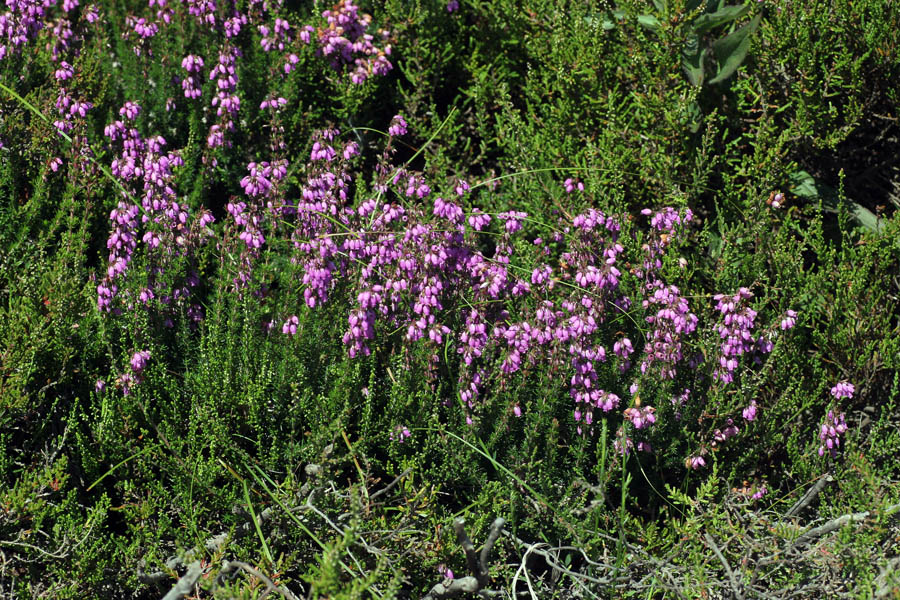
(185,585)
(837,523)
(389,486)
(480,578)
(734,583)
(809,496)
(485,557)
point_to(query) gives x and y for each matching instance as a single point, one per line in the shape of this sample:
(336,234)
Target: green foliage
(280,453)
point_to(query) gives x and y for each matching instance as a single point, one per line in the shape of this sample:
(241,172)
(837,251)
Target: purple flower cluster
(641,417)
(411,267)
(22,22)
(191,84)
(345,42)
(139,361)
(411,261)
(761,491)
(749,413)
(126,381)
(71,108)
(203,10)
(140,31)
(830,433)
(843,389)
(789,320)
(571,185)
(169,232)
(279,34)
(672,321)
(720,436)
(735,331)
(736,328)
(695,462)
(835,425)
(226,101)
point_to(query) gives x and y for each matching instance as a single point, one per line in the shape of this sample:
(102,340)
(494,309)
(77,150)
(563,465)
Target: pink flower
(641,417)
(695,462)
(290,326)
(139,361)
(789,320)
(843,389)
(750,412)
(400,433)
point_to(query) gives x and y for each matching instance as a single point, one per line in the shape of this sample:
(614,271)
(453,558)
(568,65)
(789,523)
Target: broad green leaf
(808,187)
(731,50)
(804,185)
(649,21)
(693,66)
(726,14)
(695,117)
(660,5)
(692,60)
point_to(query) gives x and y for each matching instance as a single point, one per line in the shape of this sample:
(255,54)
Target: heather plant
(319,298)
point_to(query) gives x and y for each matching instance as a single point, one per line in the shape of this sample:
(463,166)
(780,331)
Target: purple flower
(571,185)
(843,389)
(64,72)
(290,326)
(830,433)
(125,382)
(641,417)
(346,42)
(694,462)
(273,103)
(749,413)
(192,63)
(400,434)
(397,126)
(761,491)
(452,5)
(130,111)
(789,320)
(512,220)
(139,361)
(735,331)
(730,430)
(623,348)
(478,220)
(100,385)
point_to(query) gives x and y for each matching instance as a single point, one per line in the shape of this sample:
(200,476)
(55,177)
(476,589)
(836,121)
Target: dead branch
(185,584)
(478,566)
